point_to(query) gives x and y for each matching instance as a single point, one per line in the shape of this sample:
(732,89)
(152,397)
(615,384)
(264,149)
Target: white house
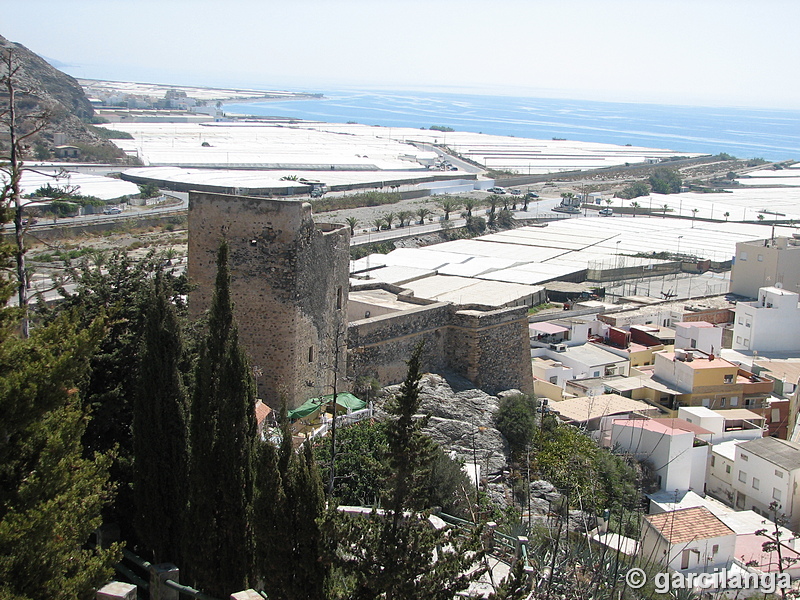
(732,424)
(687,539)
(587,360)
(675,448)
(552,371)
(767,470)
(769,324)
(720,472)
(698,334)
(749,554)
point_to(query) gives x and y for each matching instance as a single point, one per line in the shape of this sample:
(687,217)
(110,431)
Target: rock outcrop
(462,421)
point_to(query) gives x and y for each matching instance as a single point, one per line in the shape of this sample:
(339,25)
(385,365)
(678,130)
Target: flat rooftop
(587,408)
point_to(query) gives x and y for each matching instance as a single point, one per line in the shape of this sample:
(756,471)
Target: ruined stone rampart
(491,348)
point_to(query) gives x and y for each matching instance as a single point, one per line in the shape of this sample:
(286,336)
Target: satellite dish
(779,285)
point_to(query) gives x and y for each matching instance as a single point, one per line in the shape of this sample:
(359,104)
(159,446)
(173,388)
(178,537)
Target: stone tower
(289,281)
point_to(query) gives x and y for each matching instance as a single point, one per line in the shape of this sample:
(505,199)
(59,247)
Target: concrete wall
(763,263)
(679,465)
(489,347)
(756,483)
(289,283)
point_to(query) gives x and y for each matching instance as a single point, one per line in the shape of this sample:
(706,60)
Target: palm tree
(169,254)
(760,217)
(352,223)
(389,218)
(404,216)
(493,201)
(525,199)
(694,215)
(664,210)
(422,213)
(726,215)
(379,224)
(634,206)
(471,203)
(448,205)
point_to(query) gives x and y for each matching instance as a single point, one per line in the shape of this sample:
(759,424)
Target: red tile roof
(687,524)
(262,411)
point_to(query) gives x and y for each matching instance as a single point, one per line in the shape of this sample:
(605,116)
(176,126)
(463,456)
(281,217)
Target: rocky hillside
(41,87)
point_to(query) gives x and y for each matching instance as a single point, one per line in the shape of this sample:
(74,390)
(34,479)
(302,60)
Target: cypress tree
(290,499)
(159,430)
(51,497)
(218,552)
(397,555)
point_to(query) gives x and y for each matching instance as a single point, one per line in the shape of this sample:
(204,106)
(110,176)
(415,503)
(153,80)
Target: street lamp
(679,245)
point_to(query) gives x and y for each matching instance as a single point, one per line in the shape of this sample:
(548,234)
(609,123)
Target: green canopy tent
(344,401)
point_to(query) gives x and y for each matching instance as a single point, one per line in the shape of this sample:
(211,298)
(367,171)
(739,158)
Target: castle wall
(288,283)
(491,348)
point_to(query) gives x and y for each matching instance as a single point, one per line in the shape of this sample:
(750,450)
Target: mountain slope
(41,87)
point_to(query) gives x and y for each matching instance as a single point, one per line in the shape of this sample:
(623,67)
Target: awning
(344,401)
(546,328)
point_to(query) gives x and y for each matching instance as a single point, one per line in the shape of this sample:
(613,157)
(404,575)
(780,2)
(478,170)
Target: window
(760,258)
(744,457)
(728,378)
(747,342)
(776,494)
(743,256)
(554,380)
(728,469)
(742,476)
(311,354)
(714,549)
(778,474)
(756,483)
(723,402)
(734,400)
(738,339)
(596,374)
(747,323)
(776,415)
(713,460)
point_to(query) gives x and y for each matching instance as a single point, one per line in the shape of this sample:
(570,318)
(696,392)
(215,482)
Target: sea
(771,134)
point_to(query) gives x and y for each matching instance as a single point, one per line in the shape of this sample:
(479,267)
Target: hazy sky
(696,52)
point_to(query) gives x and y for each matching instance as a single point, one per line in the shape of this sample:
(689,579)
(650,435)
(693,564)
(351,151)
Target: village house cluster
(705,394)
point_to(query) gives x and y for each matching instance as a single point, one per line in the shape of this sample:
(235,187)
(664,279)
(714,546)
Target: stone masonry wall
(379,346)
(288,284)
(491,348)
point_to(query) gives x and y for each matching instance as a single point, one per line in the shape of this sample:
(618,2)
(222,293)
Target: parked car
(516,192)
(317,193)
(112,210)
(606,212)
(532,195)
(496,190)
